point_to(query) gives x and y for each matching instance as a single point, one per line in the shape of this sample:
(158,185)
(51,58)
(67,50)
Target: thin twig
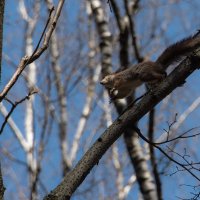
(162,151)
(14,105)
(42,35)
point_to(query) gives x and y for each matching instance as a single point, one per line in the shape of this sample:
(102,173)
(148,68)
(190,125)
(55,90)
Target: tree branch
(14,105)
(36,54)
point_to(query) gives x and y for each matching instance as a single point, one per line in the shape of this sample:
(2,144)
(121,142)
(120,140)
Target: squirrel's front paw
(113,94)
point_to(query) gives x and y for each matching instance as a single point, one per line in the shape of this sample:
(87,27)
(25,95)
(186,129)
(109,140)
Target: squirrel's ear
(102,82)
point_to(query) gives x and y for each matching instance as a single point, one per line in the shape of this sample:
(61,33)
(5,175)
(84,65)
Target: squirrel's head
(108,81)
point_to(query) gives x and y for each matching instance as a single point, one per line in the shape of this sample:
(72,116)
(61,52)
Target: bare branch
(170,158)
(14,105)
(14,128)
(37,52)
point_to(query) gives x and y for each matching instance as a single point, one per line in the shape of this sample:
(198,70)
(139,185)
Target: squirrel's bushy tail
(176,51)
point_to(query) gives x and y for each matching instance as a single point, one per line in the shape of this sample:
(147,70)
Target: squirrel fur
(122,84)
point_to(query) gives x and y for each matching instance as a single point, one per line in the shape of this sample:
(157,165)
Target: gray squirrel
(122,84)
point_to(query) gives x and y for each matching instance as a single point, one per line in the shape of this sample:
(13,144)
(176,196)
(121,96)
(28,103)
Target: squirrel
(122,84)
